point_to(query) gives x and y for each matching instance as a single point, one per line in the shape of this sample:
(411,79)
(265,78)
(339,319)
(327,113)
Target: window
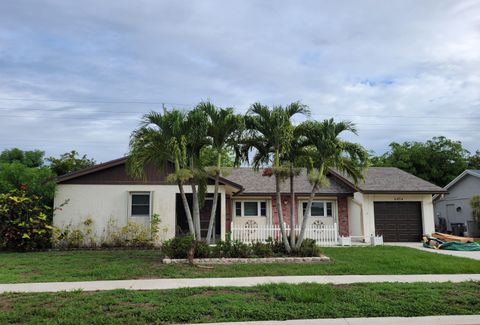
(140,204)
(250,208)
(319,209)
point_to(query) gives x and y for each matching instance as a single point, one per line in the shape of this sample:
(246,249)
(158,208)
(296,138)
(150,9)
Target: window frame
(325,209)
(130,204)
(242,208)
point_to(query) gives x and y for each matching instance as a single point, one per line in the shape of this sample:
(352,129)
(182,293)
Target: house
(390,202)
(454,208)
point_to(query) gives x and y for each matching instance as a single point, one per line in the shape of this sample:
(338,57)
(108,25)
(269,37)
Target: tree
(326,150)
(224,131)
(173,137)
(209,157)
(474,161)
(162,139)
(438,160)
(271,134)
(69,162)
(25,170)
(33,158)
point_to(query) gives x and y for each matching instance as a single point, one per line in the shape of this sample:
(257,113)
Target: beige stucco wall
(111,202)
(364,219)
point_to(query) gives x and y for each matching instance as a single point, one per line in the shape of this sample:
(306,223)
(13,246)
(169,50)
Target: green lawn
(279,301)
(137,264)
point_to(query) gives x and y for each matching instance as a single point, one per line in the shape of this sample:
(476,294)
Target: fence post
(336,233)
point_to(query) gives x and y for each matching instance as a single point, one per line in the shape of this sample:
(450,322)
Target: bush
(309,248)
(178,247)
(262,250)
(23,222)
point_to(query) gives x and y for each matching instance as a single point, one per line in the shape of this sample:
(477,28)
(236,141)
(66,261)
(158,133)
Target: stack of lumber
(447,237)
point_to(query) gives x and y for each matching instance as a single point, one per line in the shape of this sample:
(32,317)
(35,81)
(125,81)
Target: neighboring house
(454,207)
(390,202)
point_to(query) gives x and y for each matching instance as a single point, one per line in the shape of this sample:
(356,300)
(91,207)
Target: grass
(137,264)
(276,302)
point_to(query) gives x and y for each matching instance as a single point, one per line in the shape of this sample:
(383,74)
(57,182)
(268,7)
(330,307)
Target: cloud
(402,70)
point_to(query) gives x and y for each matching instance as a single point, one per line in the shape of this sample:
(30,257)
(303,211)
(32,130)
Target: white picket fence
(324,235)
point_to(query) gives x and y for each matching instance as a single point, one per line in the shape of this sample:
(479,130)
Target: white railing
(324,235)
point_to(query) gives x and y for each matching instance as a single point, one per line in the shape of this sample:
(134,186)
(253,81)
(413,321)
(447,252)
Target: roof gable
(114,172)
(472,172)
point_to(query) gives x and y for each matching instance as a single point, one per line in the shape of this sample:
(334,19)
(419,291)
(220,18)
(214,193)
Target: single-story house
(389,202)
(454,208)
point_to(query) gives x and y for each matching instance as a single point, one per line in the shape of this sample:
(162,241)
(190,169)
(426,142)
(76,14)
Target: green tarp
(457,246)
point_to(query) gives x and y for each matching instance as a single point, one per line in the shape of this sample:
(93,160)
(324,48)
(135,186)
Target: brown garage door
(398,221)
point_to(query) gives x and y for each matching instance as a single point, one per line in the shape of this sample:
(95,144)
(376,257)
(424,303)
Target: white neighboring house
(454,208)
(389,202)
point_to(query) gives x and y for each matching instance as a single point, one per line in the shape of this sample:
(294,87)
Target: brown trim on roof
(123,160)
(92,169)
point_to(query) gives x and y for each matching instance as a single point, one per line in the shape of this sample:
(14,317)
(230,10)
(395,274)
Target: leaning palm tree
(325,150)
(271,134)
(162,139)
(224,130)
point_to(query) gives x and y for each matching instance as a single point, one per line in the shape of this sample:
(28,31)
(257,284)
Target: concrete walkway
(427,320)
(473,255)
(160,284)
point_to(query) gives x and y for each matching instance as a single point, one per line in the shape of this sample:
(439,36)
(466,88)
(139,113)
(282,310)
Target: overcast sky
(79,74)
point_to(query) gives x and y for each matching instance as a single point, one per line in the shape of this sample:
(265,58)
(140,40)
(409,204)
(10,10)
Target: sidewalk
(161,284)
(427,320)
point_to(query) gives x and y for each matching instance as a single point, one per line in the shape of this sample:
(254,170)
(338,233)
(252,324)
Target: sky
(80,74)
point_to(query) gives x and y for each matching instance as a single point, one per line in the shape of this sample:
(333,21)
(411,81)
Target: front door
(182,223)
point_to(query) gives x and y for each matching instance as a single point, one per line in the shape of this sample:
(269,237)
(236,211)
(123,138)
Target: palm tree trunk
(214,208)
(186,206)
(292,210)
(306,215)
(196,212)
(280,215)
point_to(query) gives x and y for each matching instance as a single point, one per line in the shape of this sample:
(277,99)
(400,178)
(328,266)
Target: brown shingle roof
(393,180)
(377,180)
(254,183)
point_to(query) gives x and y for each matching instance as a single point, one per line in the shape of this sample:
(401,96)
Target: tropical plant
(271,134)
(161,140)
(24,222)
(325,150)
(224,131)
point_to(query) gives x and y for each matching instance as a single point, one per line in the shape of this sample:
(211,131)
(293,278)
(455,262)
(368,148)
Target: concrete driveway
(473,255)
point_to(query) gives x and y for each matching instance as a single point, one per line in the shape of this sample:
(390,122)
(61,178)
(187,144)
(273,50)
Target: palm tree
(224,130)
(162,139)
(271,134)
(326,150)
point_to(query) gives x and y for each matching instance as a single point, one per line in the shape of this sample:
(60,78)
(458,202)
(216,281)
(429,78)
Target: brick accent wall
(285,209)
(343,228)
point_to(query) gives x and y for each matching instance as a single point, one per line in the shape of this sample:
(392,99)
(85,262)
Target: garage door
(398,221)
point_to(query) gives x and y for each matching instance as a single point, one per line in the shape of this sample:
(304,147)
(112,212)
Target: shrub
(202,249)
(308,248)
(262,249)
(23,222)
(178,247)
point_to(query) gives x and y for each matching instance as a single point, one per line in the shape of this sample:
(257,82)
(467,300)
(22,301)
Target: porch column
(223,214)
